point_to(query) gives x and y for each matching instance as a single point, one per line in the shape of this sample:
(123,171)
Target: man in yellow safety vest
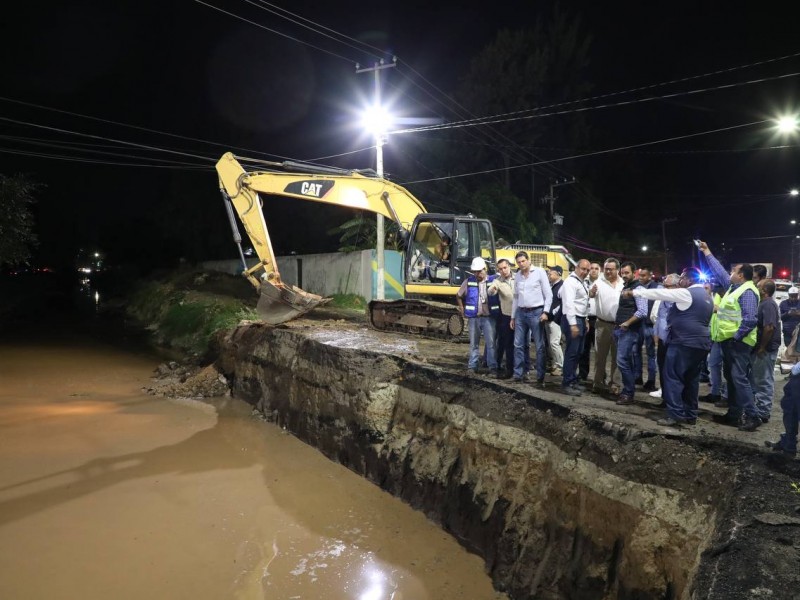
(735,330)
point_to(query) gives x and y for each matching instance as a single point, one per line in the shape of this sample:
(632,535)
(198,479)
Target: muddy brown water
(106,492)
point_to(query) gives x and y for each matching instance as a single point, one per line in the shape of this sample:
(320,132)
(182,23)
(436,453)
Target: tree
(17,196)
(361,233)
(516,77)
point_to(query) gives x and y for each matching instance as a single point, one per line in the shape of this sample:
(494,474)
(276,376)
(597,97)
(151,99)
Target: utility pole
(664,240)
(550,200)
(380,140)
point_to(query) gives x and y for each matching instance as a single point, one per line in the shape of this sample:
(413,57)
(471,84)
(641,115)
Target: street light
(787,124)
(794,192)
(644,248)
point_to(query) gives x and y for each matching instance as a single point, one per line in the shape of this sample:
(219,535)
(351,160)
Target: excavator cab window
(430,253)
(474,237)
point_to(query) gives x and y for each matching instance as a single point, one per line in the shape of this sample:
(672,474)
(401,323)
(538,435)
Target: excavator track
(417,317)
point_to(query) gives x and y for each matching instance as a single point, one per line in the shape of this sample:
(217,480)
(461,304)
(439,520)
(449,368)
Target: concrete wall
(331,273)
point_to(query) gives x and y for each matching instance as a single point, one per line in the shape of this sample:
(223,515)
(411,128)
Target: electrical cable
(230,14)
(598,152)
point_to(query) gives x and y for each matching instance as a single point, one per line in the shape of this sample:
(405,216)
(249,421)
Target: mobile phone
(697,243)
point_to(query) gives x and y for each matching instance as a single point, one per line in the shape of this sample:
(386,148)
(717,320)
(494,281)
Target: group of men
(681,324)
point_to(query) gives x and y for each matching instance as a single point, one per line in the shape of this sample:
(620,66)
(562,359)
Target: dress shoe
(649,386)
(726,419)
(750,423)
(778,447)
(713,398)
(624,400)
(721,403)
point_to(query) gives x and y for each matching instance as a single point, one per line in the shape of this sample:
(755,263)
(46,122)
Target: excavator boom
(280,302)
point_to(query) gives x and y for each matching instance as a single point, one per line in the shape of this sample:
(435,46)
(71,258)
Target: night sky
(186,83)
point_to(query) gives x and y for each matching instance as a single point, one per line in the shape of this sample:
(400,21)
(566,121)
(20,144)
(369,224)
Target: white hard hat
(478,264)
(793,290)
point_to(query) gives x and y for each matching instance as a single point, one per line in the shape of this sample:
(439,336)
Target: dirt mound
(173,380)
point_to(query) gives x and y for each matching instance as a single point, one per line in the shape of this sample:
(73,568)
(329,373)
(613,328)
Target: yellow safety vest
(729,316)
(713,324)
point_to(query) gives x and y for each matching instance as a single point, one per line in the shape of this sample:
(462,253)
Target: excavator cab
(440,250)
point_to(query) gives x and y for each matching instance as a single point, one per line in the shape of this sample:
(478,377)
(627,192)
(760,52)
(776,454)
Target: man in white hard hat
(790,314)
(481,310)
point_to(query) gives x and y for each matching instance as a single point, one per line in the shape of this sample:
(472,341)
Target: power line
(493,120)
(100,162)
(235,16)
(99,137)
(595,153)
(646,87)
(277,10)
(137,127)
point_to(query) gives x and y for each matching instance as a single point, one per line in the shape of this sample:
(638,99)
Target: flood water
(106,492)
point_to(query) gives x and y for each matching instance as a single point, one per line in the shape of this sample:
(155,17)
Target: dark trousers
(682,380)
(572,351)
(505,344)
(586,351)
(790,403)
(661,358)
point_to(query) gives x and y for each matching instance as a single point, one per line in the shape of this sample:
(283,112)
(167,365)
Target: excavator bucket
(281,303)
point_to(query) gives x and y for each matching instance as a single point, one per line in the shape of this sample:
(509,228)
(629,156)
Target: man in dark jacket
(554,351)
(630,314)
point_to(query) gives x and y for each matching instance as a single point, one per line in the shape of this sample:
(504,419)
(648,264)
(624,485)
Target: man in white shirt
(574,310)
(606,292)
(588,340)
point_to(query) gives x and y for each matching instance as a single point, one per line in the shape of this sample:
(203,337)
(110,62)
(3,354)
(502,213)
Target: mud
(108,492)
(562,498)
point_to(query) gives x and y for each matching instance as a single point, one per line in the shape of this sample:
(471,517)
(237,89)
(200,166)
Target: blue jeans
(526,324)
(762,380)
(790,404)
(736,365)
(482,326)
(573,350)
(718,385)
(646,340)
(626,347)
(682,367)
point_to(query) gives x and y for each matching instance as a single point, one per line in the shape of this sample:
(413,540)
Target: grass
(184,319)
(353,301)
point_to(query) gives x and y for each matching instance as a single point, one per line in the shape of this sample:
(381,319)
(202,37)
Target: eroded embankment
(560,505)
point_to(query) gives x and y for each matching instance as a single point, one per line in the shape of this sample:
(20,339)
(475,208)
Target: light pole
(380,127)
(664,240)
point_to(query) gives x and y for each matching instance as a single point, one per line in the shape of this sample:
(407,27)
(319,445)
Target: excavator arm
(281,302)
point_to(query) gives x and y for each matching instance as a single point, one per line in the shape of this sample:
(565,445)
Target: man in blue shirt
(790,314)
(737,350)
(762,375)
(790,404)
(532,300)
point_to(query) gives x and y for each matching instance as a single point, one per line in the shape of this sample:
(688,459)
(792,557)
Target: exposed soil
(753,549)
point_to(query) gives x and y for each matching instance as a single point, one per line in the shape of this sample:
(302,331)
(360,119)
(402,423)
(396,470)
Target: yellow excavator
(438,247)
